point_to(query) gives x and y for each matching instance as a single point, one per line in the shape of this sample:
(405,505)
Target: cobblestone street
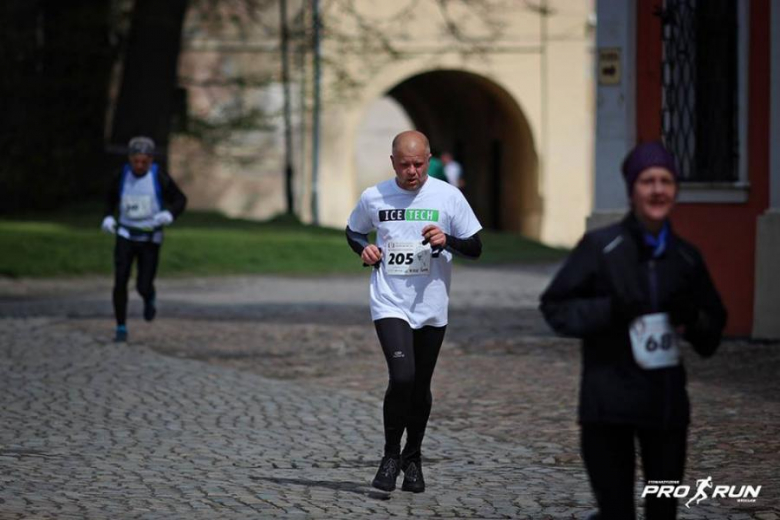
(260,397)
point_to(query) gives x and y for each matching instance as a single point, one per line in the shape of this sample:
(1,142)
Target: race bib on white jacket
(137,207)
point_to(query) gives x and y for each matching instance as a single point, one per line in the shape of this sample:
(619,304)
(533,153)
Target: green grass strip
(202,243)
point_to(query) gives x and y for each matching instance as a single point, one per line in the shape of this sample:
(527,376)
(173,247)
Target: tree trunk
(149,77)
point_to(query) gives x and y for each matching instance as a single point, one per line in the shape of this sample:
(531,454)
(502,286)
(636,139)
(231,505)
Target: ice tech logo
(390,215)
(673,489)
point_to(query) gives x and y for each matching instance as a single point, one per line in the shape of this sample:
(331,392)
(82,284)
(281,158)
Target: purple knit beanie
(644,156)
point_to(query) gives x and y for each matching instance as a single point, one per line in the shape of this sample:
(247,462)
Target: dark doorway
(487,132)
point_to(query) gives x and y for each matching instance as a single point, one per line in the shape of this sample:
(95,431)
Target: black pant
(609,454)
(125,251)
(411,358)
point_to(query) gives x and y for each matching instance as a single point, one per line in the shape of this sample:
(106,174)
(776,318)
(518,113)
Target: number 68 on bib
(654,341)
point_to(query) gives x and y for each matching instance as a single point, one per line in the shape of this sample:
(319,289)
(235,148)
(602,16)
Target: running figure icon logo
(701,494)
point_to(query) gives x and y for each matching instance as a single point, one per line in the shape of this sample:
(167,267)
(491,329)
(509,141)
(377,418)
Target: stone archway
(486,130)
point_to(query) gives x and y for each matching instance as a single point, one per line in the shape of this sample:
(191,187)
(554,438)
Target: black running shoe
(388,471)
(150,310)
(413,477)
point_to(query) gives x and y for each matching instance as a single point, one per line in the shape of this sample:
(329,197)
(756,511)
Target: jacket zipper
(667,405)
(653,279)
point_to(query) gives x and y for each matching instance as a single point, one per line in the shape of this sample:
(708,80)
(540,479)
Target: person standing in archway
(628,290)
(147,199)
(436,169)
(453,170)
(420,222)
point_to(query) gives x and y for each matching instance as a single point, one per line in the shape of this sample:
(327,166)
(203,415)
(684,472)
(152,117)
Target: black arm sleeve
(175,200)
(568,305)
(357,241)
(705,334)
(470,247)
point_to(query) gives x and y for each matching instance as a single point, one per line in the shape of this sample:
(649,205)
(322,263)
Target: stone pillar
(615,108)
(766,309)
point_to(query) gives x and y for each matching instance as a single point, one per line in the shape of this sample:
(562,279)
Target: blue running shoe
(121,334)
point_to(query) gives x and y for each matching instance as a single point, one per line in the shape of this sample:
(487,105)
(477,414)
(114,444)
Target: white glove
(163,218)
(109,225)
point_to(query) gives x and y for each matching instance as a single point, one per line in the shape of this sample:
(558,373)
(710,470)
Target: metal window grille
(699,114)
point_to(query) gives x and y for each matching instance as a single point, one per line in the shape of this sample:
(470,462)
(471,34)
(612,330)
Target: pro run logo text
(673,489)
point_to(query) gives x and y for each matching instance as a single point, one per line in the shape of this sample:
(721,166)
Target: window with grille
(700,94)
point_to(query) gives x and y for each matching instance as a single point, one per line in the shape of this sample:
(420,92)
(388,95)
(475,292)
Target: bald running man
(420,222)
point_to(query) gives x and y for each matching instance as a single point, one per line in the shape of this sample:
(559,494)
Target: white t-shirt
(399,215)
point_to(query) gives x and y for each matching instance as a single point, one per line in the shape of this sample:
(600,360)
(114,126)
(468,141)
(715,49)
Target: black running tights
(411,356)
(125,252)
(609,454)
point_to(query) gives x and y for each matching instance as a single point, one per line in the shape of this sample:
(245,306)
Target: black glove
(683,309)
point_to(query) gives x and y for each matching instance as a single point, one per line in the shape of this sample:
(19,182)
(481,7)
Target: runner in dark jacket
(145,199)
(620,282)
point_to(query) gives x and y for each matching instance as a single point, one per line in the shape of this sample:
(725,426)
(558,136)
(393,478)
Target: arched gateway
(483,126)
(508,90)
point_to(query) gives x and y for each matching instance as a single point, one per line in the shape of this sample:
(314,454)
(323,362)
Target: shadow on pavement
(351,487)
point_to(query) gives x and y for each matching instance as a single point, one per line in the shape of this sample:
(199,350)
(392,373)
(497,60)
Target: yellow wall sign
(609,66)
